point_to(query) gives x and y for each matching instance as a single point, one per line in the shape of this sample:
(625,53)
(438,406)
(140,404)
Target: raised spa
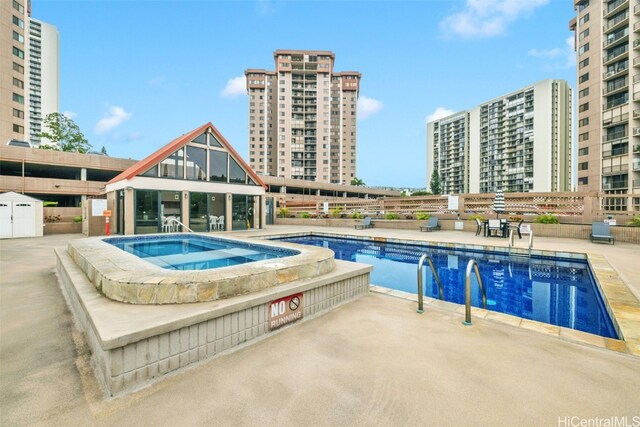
(192,268)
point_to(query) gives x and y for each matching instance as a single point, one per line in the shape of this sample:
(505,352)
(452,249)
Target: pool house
(197,182)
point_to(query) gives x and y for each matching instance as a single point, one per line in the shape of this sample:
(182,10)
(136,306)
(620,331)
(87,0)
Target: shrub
(480,218)
(547,219)
(305,215)
(52,218)
(635,222)
(283,213)
(421,193)
(336,212)
(77,218)
(357,215)
(422,216)
(392,215)
(408,216)
(515,218)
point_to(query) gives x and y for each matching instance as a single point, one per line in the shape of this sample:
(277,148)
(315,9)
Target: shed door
(24,219)
(6,225)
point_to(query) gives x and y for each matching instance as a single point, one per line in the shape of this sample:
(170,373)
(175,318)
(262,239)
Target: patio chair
(220,224)
(168,224)
(213,222)
(601,231)
(516,227)
(479,225)
(366,223)
(431,225)
(495,228)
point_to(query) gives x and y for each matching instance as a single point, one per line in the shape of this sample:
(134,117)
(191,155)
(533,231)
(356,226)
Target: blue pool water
(195,252)
(557,291)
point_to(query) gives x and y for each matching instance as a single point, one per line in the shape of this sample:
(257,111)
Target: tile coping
(623,307)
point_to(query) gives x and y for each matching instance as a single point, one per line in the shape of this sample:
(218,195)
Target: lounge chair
(431,225)
(366,223)
(601,231)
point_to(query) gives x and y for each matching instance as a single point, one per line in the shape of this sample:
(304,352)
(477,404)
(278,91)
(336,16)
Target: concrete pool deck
(372,361)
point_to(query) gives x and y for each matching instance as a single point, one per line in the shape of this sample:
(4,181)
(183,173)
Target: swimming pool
(558,291)
(195,252)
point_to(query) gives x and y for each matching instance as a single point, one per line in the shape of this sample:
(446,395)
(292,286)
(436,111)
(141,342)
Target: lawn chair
(495,228)
(601,231)
(431,225)
(366,223)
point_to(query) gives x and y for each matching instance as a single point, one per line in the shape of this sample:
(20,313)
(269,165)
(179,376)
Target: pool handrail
(511,242)
(420,286)
(176,220)
(472,264)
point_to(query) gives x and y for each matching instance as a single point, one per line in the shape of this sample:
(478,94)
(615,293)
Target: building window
(583,63)
(583,78)
(584,19)
(583,107)
(583,122)
(583,166)
(19,53)
(584,48)
(583,151)
(19,68)
(18,83)
(18,37)
(18,113)
(17,6)
(17,21)
(18,128)
(584,34)
(583,93)
(584,180)
(583,136)
(18,98)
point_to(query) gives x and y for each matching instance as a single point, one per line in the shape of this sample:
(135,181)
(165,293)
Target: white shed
(20,216)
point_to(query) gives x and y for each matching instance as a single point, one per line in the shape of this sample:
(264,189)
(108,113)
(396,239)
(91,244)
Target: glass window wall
(196,163)
(218,165)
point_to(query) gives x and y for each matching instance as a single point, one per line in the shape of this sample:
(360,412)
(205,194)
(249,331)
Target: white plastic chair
(213,222)
(220,223)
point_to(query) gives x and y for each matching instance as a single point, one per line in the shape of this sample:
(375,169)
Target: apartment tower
(607,35)
(29,88)
(303,118)
(519,142)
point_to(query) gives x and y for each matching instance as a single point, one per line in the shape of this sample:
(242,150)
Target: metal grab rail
(179,222)
(467,291)
(511,244)
(420,286)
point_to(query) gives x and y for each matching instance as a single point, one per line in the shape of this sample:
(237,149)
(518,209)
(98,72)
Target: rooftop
(371,361)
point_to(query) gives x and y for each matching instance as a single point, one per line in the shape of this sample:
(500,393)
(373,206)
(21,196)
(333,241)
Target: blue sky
(135,75)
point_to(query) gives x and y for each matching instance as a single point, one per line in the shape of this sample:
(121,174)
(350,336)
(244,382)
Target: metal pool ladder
(420,287)
(511,245)
(472,264)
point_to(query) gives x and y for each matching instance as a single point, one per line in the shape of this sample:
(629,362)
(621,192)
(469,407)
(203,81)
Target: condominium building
(607,35)
(303,118)
(28,72)
(519,142)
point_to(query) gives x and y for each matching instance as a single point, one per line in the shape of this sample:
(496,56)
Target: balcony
(615,170)
(636,131)
(614,73)
(636,165)
(636,9)
(610,89)
(616,55)
(614,24)
(615,7)
(636,27)
(618,37)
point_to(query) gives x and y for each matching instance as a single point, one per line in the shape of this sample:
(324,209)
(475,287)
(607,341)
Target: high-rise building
(607,43)
(519,142)
(28,72)
(303,118)
(44,91)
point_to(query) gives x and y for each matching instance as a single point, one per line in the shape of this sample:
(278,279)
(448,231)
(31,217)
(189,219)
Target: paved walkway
(370,362)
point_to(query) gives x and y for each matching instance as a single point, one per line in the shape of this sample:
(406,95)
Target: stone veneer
(134,344)
(124,277)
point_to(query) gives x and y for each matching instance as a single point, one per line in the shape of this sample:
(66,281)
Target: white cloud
(70,114)
(440,113)
(546,53)
(368,106)
(487,18)
(114,118)
(235,87)
(155,81)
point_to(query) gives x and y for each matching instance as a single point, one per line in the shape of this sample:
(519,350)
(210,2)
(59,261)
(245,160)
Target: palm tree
(357,181)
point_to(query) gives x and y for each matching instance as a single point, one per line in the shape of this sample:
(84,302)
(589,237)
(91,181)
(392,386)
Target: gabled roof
(154,158)
(17,197)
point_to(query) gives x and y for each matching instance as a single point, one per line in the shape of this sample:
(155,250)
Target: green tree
(357,181)
(435,182)
(64,134)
